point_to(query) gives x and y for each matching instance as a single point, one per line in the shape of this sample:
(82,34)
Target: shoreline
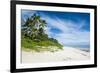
(67,54)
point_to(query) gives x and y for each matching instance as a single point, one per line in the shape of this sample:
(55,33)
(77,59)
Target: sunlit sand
(67,54)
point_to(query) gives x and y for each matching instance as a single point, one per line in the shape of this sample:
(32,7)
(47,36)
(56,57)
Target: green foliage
(34,37)
(46,45)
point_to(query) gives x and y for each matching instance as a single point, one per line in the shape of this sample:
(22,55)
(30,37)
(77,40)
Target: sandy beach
(67,54)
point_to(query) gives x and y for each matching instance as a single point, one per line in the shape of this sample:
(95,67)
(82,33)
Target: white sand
(68,54)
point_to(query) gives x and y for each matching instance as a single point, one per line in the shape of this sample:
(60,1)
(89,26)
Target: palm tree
(33,26)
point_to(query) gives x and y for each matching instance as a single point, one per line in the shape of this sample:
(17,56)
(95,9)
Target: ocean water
(81,47)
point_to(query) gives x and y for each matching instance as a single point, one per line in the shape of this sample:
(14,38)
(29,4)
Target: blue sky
(69,28)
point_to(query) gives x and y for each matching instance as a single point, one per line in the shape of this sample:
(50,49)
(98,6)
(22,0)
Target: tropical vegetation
(33,35)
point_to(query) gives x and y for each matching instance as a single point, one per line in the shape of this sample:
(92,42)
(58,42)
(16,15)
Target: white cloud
(71,33)
(78,38)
